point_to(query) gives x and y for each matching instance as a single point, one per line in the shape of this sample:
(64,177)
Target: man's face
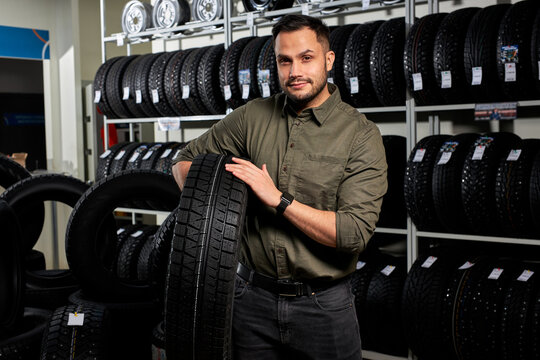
(302,65)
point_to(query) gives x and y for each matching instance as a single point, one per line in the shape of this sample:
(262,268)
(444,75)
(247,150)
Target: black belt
(285,287)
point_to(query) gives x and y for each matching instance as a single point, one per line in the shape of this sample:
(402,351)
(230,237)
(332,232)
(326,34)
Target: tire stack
(470,183)
(470,307)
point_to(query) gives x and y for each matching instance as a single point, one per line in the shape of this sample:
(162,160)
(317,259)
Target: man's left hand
(258,180)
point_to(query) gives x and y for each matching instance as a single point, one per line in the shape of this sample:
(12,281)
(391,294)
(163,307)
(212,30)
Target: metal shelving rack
(254,20)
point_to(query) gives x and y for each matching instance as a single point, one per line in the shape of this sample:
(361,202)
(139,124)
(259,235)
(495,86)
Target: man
(318,170)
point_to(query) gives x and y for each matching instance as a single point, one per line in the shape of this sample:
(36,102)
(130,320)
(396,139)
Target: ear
(330,57)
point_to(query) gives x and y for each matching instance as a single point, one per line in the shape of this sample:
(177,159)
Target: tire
(383,308)
(199,298)
(11,172)
(478,182)
(100,84)
(338,44)
(517,326)
(128,81)
(105,160)
(228,72)
(144,261)
(207,11)
(248,61)
(156,81)
(34,260)
(131,325)
(142,80)
(418,58)
(417,183)
(30,193)
(150,158)
(49,289)
(119,162)
(478,322)
(481,51)
(128,257)
(386,62)
(422,302)
(165,160)
(267,69)
(158,342)
(446,183)
(393,212)
(512,186)
(25,342)
(113,87)
(356,65)
(516,29)
(90,340)
(208,81)
(189,78)
(86,228)
(535,52)
(160,254)
(448,55)
(534,193)
(266,5)
(135,157)
(11,269)
(173,88)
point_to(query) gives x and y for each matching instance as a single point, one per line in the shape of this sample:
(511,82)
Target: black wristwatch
(286,200)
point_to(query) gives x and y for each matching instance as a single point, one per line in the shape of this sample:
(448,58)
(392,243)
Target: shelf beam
(391,231)
(492,239)
(372,355)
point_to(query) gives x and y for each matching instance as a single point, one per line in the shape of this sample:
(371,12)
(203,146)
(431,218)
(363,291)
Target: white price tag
(168,124)
(265,90)
(125,95)
(245,91)
(354,85)
(365,4)
(467,265)
(388,270)
(75,319)
(147,155)
(419,156)
(510,72)
(120,155)
(176,154)
(137,233)
(360,264)
(138,96)
(134,157)
(476,75)
(330,80)
(105,154)
(429,261)
(227,92)
(445,158)
(495,273)
(446,79)
(249,21)
(155,96)
(97,96)
(165,153)
(525,275)
(185,91)
(119,231)
(513,155)
(305,9)
(417,81)
(119,40)
(479,152)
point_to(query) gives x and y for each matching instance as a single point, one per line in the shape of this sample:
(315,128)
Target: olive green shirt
(330,158)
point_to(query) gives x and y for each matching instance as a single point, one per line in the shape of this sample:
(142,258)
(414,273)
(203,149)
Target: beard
(303,99)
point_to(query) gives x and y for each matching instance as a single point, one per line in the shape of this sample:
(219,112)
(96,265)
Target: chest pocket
(319,179)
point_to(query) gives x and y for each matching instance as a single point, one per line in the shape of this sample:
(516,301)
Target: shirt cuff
(351,237)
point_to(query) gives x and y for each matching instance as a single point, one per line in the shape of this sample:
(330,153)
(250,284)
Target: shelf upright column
(227,26)
(410,113)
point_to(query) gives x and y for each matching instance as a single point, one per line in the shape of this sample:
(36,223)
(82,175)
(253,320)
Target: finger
(241,161)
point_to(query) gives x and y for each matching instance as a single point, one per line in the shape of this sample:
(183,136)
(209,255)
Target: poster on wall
(23,43)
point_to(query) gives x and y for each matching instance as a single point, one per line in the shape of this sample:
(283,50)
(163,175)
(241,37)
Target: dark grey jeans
(320,326)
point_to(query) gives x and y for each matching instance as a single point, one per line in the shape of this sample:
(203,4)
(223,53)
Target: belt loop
(250,280)
(310,292)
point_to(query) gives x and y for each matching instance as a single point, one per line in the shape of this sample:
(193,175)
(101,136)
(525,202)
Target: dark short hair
(295,22)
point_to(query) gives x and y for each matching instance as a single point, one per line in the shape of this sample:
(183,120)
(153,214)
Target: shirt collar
(320,113)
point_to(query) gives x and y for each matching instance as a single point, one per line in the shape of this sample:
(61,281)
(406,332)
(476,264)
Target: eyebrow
(300,54)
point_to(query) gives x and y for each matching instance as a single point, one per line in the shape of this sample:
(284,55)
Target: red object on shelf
(113,135)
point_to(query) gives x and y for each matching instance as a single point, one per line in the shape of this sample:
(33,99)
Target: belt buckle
(294,284)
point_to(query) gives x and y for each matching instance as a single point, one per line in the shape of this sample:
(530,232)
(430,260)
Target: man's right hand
(180,171)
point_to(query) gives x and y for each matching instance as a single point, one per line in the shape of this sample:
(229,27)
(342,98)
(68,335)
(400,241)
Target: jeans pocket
(336,298)
(240,287)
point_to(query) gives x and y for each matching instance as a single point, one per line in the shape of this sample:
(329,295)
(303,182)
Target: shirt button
(297,123)
(285,168)
(292,145)
(280,251)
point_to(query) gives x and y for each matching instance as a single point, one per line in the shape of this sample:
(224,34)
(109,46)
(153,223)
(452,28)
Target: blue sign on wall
(24,43)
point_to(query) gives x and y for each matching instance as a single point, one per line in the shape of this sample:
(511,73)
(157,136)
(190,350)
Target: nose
(294,70)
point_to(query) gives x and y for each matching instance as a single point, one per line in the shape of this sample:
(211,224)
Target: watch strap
(286,200)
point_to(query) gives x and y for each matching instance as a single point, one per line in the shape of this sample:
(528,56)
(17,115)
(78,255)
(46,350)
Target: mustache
(297,80)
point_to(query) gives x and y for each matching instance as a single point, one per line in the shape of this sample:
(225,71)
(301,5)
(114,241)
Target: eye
(283,61)
(306,58)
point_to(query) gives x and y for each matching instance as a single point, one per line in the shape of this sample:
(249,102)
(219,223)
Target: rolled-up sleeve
(361,191)
(224,137)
